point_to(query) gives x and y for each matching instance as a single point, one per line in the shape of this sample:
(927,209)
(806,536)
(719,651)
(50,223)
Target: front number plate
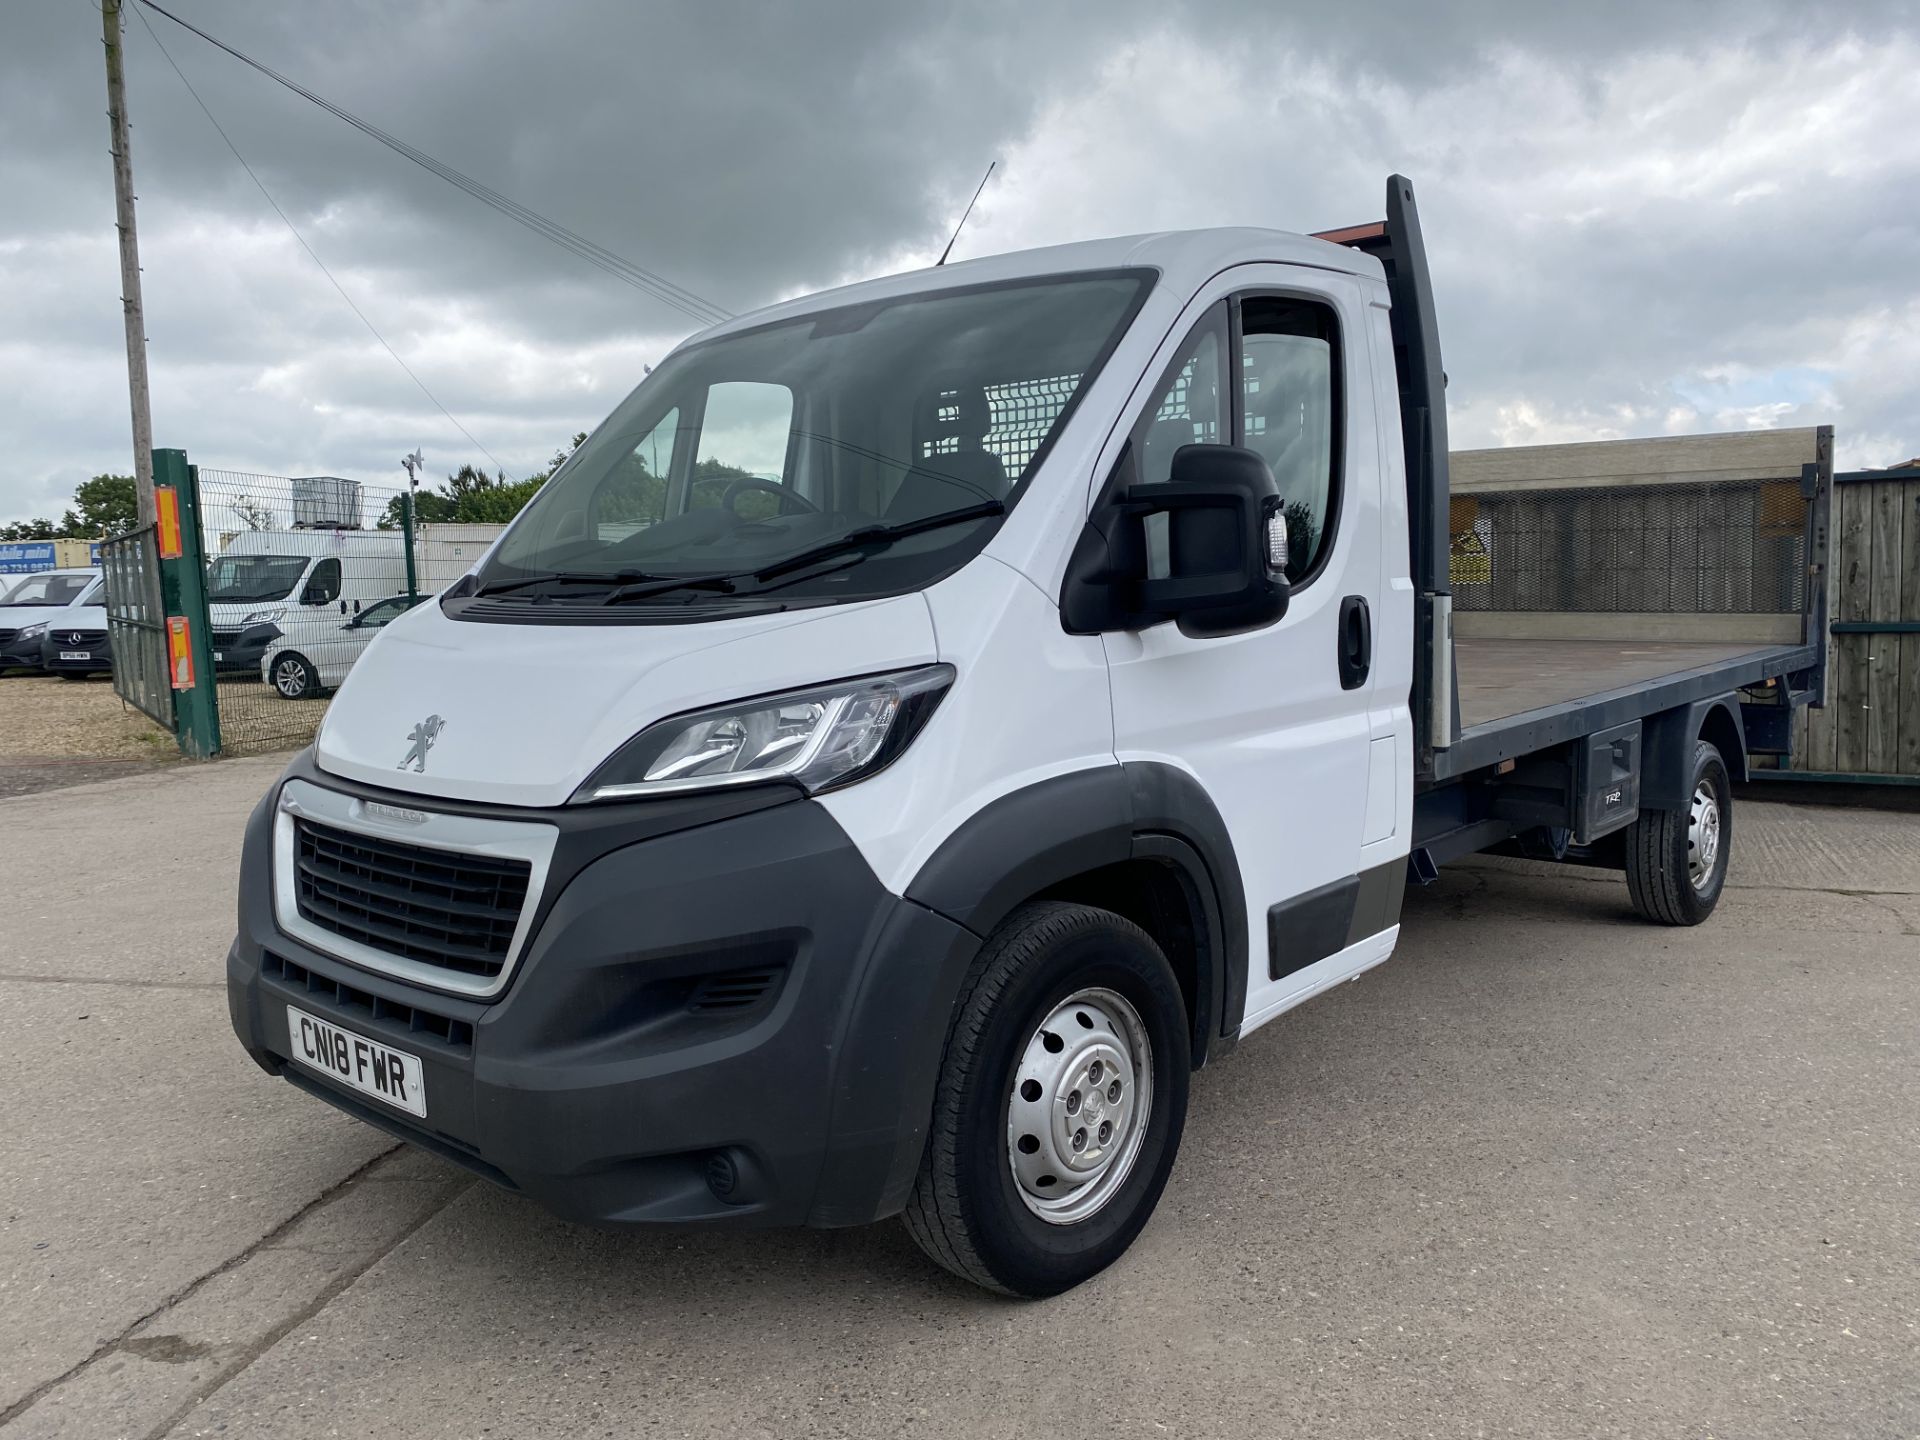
(365,1065)
(76,654)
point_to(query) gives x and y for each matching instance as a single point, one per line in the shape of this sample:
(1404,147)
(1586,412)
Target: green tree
(470,496)
(104,505)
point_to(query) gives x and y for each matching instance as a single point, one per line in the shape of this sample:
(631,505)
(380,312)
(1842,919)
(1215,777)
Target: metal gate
(136,623)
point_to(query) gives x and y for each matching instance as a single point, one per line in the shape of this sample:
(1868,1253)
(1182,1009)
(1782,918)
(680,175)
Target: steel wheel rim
(1077,1114)
(1703,835)
(289,680)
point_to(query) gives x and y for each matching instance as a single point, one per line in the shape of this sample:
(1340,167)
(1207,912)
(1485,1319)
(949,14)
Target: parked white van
(36,601)
(263,580)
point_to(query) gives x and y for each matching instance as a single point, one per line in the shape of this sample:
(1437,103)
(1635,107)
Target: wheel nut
(1080,1138)
(1106,1132)
(1113,1092)
(1073,1103)
(1094,1072)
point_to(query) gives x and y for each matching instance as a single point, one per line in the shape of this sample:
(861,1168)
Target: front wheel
(1060,1104)
(294,678)
(1677,859)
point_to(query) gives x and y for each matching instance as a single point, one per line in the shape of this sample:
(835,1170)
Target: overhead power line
(705,312)
(371,328)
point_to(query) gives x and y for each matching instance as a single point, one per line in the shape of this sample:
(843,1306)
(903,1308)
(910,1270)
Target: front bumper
(601,1083)
(243,651)
(18,654)
(98,657)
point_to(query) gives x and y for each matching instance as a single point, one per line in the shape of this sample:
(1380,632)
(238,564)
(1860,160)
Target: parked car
(37,601)
(313,653)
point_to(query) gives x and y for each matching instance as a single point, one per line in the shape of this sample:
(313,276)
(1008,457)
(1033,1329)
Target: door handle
(1356,642)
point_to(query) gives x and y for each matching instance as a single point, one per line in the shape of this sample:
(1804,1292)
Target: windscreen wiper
(566,577)
(875,537)
(867,539)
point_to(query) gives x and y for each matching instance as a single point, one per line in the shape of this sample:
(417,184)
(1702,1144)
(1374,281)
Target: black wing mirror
(1222,569)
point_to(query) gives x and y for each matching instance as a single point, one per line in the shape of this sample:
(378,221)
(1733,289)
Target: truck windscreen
(745,454)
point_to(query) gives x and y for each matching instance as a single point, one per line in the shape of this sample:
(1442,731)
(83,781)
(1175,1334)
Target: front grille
(81,637)
(437,907)
(223,638)
(7,635)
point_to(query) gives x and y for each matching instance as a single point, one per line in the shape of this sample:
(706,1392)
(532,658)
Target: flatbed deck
(1499,679)
(1518,696)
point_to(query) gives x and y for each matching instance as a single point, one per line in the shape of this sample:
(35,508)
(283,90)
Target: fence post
(406,524)
(183,591)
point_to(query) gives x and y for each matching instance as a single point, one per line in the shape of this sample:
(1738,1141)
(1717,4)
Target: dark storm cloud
(750,151)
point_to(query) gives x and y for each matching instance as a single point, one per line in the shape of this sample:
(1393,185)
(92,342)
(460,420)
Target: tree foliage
(470,496)
(29,530)
(104,505)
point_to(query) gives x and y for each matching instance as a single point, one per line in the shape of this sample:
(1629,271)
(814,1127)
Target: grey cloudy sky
(1643,217)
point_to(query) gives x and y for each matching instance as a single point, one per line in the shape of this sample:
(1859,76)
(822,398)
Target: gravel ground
(58,733)
(44,718)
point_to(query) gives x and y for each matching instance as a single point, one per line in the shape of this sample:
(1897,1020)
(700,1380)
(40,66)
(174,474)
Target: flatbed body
(1519,696)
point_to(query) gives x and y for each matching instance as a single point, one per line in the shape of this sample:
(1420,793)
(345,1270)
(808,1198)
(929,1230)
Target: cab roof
(1184,258)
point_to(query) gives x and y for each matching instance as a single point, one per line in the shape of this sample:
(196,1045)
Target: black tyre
(1061,1100)
(293,677)
(1677,859)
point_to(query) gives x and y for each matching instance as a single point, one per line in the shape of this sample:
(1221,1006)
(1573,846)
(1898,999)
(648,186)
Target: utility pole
(129,262)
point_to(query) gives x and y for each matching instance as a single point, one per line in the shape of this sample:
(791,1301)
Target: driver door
(1273,724)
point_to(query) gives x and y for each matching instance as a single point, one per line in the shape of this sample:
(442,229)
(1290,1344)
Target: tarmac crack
(247,1355)
(252,1352)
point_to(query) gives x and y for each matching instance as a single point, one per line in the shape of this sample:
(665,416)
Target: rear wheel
(1677,859)
(1060,1104)
(294,678)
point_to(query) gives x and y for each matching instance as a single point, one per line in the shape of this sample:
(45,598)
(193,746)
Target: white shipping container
(443,553)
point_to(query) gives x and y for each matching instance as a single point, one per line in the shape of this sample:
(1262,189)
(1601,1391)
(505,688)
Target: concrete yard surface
(1549,1172)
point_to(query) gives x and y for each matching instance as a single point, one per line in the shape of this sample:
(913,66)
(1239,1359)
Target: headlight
(32,632)
(821,738)
(264,617)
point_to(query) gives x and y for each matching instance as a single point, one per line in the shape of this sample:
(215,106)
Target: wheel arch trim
(1667,749)
(1043,835)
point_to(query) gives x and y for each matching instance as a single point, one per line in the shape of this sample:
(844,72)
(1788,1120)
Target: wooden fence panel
(1852,598)
(1883,651)
(1907,749)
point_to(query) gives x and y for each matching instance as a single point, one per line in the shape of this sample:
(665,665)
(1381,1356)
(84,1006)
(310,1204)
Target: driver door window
(744,437)
(384,613)
(323,586)
(1291,404)
(1188,407)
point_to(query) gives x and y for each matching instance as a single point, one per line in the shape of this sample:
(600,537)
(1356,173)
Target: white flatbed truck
(930,719)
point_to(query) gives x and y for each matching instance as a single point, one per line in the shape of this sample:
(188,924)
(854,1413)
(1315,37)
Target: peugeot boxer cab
(923,724)
(264,581)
